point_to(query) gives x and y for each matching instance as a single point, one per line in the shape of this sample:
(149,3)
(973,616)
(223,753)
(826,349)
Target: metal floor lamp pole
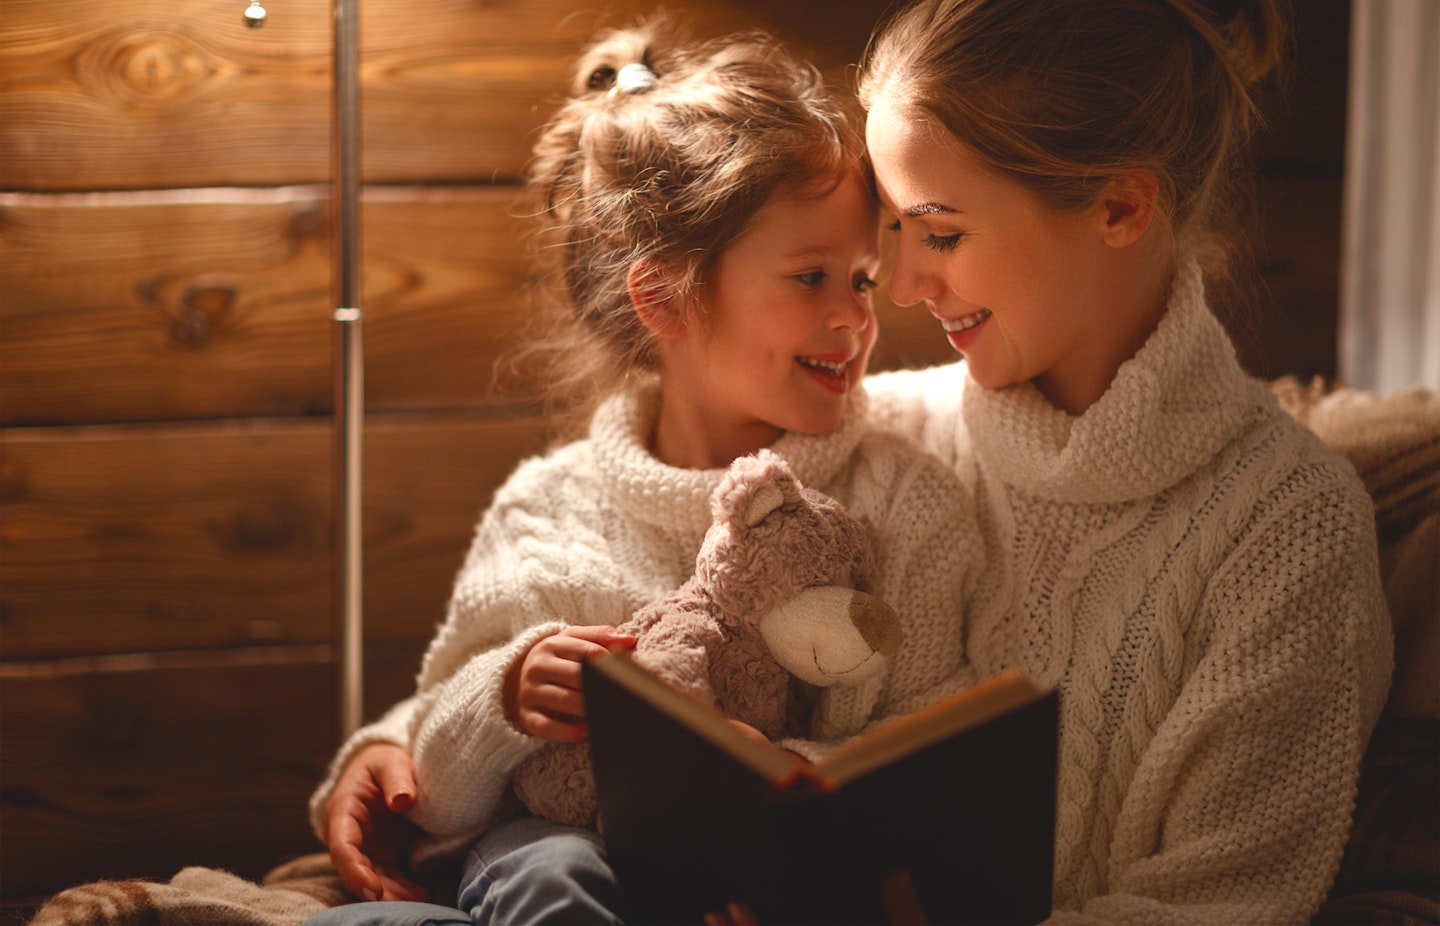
(350,365)
(349,357)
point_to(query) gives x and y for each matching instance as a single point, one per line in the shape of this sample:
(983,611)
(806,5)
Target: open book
(961,795)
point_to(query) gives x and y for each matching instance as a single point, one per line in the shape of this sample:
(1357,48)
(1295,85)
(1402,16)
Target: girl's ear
(1130,200)
(655,297)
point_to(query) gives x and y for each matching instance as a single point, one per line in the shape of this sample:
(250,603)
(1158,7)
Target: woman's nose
(910,281)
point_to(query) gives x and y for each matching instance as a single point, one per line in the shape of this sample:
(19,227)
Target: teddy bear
(781,599)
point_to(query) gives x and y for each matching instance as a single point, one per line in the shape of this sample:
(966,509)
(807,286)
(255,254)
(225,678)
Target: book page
(915,731)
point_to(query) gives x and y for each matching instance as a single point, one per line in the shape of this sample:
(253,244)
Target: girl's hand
(365,825)
(542,689)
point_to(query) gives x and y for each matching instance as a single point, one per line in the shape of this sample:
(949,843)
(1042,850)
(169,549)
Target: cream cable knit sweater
(598,528)
(1198,575)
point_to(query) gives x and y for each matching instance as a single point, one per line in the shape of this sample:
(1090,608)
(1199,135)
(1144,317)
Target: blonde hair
(666,163)
(1062,96)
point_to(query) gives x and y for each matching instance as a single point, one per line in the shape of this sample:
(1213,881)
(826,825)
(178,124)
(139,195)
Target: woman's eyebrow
(928,209)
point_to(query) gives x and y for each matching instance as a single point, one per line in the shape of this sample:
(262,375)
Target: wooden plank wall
(167,689)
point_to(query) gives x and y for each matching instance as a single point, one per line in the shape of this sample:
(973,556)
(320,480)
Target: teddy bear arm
(679,650)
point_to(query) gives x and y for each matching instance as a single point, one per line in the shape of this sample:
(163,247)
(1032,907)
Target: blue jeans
(526,870)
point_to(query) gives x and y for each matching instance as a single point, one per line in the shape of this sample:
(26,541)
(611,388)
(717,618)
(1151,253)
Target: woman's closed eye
(931,240)
(941,242)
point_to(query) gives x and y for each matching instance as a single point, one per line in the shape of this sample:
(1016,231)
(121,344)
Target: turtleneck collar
(1171,408)
(679,499)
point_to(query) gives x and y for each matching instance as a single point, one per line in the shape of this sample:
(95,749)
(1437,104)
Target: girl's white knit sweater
(1198,575)
(593,531)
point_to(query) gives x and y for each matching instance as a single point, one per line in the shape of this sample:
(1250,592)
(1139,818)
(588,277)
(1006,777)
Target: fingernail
(370,895)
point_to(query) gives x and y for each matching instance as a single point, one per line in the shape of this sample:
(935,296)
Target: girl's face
(1023,291)
(781,335)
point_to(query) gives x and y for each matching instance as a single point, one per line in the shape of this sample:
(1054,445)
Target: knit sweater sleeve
(538,563)
(1241,805)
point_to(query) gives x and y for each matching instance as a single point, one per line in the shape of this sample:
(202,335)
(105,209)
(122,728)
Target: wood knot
(202,310)
(270,526)
(151,67)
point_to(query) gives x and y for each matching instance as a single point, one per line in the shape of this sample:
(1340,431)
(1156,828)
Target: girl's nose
(856,312)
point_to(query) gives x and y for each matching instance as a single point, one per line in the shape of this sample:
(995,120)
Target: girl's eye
(864,284)
(941,242)
(811,277)
(893,226)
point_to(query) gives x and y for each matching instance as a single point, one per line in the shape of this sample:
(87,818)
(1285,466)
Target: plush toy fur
(781,585)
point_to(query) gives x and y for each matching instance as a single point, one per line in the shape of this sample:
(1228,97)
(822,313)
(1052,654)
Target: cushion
(1391,869)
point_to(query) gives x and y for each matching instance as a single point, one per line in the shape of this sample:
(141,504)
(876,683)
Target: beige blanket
(287,896)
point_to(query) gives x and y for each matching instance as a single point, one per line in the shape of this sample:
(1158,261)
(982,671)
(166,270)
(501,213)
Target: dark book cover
(696,816)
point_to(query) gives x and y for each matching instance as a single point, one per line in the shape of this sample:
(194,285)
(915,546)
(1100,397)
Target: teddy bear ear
(753,488)
(765,500)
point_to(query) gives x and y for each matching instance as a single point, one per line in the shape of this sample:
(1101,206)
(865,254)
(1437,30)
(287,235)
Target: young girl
(1196,572)
(713,238)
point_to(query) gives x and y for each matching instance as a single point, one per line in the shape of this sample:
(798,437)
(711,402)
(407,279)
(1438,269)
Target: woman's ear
(1130,200)
(655,296)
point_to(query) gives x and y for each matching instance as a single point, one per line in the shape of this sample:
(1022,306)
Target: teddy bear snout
(831,635)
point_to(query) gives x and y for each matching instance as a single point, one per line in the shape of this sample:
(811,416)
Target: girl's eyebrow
(928,209)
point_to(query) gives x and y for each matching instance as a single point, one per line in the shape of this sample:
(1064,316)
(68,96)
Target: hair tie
(634,78)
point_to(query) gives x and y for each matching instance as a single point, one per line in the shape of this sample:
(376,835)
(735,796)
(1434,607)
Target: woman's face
(1024,291)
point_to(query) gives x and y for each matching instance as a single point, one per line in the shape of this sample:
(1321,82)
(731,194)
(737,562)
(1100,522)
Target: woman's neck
(1133,307)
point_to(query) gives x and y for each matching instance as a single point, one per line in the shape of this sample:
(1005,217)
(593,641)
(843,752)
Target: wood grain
(142,767)
(132,540)
(217,304)
(178,93)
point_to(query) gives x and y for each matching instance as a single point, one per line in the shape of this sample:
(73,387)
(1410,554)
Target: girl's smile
(830,372)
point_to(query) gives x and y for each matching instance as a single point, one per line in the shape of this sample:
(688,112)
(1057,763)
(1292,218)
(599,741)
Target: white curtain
(1390,275)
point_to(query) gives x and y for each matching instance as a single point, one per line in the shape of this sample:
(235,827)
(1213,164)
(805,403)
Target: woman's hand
(542,689)
(365,824)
